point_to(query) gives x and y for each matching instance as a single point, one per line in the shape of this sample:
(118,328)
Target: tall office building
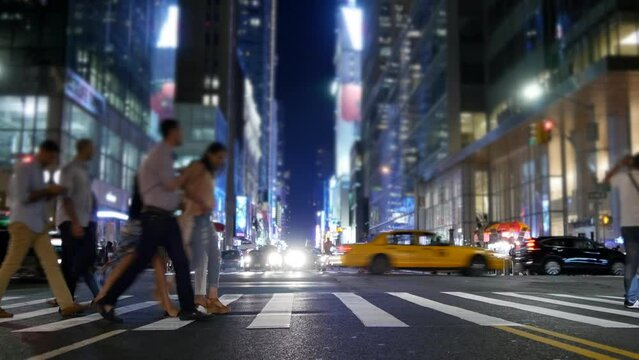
(509,111)
(209,95)
(348,91)
(256,34)
(385,186)
(78,69)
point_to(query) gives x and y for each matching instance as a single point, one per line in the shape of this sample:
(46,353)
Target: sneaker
(52,303)
(5,314)
(631,305)
(73,310)
(192,315)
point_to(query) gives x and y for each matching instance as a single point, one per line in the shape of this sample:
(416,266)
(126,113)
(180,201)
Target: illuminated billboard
(350,102)
(354,22)
(241,216)
(169,33)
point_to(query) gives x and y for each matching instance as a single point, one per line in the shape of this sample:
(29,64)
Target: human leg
(631,243)
(49,261)
(145,251)
(20,242)
(162,289)
(173,244)
(67,255)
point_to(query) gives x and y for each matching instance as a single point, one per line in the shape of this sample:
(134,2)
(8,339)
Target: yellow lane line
(555,343)
(592,344)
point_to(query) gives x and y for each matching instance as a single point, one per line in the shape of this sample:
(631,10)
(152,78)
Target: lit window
(256,22)
(207,82)
(215,100)
(206,101)
(215,83)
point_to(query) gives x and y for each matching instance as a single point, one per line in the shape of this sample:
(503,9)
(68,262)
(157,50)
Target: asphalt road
(344,315)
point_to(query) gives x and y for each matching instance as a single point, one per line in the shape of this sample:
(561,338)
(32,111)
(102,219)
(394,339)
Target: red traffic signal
(548,125)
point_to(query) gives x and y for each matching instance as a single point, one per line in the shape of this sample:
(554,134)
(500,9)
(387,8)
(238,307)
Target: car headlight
(275,259)
(295,259)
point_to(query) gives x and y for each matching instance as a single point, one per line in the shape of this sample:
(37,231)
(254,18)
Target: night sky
(306,44)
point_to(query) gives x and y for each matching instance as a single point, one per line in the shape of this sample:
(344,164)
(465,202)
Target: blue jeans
(206,255)
(630,236)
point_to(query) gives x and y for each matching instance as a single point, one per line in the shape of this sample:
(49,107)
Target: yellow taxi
(418,250)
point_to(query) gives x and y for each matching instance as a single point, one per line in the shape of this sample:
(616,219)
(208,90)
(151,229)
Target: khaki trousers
(21,240)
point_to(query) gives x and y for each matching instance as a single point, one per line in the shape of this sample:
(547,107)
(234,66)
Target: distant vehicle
(300,258)
(418,250)
(232,259)
(554,255)
(264,258)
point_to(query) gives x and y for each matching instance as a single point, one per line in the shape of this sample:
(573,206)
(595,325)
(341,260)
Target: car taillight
(345,248)
(531,244)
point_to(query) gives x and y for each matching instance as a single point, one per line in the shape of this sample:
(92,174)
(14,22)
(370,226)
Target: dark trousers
(78,257)
(630,236)
(158,230)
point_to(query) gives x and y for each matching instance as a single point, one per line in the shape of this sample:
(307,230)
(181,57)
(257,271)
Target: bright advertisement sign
(350,102)
(241,216)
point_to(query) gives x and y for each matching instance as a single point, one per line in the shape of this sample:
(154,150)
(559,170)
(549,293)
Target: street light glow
(532,91)
(632,39)
(385,169)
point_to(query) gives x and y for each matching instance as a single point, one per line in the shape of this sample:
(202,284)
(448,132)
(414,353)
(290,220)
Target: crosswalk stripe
(543,311)
(471,316)
(9,298)
(78,345)
(68,323)
(42,301)
(605,301)
(276,314)
(25,303)
(570,304)
(369,314)
(29,315)
(169,324)
(611,297)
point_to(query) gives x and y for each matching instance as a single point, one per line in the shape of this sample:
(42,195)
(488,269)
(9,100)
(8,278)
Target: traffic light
(541,132)
(606,220)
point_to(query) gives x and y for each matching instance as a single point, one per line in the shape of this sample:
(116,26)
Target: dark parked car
(232,259)
(264,258)
(557,254)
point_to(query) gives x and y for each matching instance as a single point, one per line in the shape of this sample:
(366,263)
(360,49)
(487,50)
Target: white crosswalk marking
(42,301)
(29,315)
(9,298)
(543,311)
(570,304)
(588,298)
(78,345)
(68,323)
(276,314)
(25,303)
(169,324)
(471,316)
(611,297)
(369,314)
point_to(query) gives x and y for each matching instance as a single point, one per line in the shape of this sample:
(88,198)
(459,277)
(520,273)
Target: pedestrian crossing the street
(501,310)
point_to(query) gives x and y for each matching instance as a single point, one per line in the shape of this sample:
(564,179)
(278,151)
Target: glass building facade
(78,69)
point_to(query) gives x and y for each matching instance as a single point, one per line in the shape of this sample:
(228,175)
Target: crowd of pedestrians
(152,233)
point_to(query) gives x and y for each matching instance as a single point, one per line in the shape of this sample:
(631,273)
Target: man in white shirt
(74,213)
(624,177)
(28,227)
